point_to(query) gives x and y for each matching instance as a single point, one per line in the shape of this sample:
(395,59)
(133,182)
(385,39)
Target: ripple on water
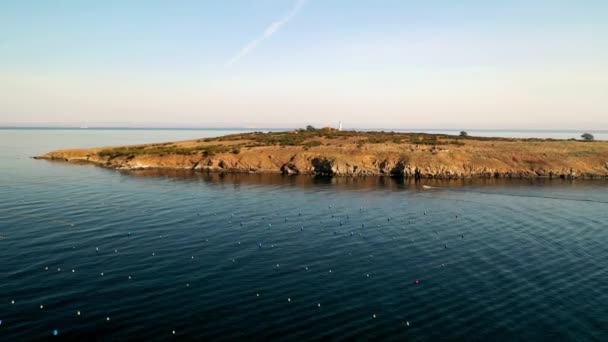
(515,267)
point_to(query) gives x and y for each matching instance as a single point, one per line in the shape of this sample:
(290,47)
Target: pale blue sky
(283,63)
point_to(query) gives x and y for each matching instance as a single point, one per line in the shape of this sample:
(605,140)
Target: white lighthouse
(340,126)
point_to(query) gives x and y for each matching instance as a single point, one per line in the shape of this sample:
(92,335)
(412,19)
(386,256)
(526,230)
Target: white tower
(340,126)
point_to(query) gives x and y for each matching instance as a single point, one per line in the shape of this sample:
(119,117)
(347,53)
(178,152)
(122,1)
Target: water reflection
(353,183)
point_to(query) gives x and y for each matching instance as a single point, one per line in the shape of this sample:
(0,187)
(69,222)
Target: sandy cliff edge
(336,153)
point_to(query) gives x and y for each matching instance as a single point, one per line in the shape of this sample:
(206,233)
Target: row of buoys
(78,312)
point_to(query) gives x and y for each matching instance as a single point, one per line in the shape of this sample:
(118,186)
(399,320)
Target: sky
(287,63)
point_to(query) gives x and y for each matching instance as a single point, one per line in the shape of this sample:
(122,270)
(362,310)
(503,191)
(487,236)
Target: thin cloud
(268,32)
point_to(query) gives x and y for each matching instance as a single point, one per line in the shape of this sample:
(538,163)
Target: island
(334,152)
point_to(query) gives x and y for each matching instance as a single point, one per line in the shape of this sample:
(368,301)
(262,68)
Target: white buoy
(374,315)
(129,277)
(257,294)
(78,313)
(41,306)
(108,319)
(12,302)
(289,299)
(173,332)
(73,270)
(46,268)
(101,274)
(319,305)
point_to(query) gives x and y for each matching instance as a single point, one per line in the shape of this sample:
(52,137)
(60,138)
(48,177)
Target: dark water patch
(198,253)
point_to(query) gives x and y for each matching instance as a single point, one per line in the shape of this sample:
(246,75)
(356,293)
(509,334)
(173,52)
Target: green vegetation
(587,137)
(307,138)
(132,151)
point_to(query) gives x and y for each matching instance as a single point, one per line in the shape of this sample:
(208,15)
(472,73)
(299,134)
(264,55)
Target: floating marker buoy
(101,274)
(289,299)
(107,319)
(257,294)
(41,306)
(417,282)
(173,332)
(306,268)
(407,323)
(73,270)
(129,277)
(78,313)
(46,268)
(12,302)
(319,305)
(374,316)
(55,332)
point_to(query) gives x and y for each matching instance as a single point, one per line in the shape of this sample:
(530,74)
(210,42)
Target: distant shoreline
(354,153)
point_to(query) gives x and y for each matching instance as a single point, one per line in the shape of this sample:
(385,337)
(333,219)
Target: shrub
(587,137)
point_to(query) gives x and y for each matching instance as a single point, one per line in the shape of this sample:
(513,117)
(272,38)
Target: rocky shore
(359,153)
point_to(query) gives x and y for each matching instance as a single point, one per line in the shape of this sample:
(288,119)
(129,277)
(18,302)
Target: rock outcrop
(473,158)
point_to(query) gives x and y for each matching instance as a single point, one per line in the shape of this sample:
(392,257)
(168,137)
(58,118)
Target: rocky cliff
(360,153)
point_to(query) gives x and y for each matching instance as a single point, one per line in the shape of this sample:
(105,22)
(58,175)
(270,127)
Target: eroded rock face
(289,169)
(335,162)
(322,166)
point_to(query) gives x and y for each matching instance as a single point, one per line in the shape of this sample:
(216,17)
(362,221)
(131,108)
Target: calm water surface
(96,253)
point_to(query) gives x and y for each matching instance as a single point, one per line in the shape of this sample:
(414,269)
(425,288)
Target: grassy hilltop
(331,152)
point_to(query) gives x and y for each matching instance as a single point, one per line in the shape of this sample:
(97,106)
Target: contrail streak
(268,32)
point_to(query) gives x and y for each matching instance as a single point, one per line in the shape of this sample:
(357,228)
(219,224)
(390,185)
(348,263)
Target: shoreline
(337,153)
